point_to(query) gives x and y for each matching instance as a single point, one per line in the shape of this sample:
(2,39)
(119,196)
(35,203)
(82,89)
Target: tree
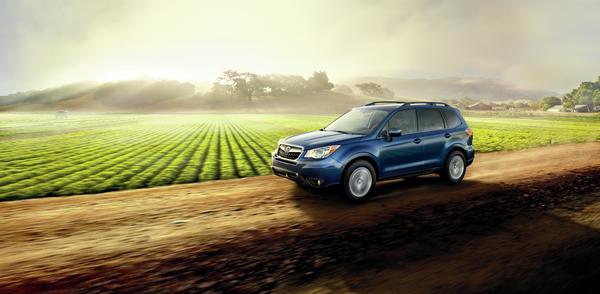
(520,104)
(248,85)
(588,93)
(319,81)
(369,89)
(244,84)
(220,89)
(342,89)
(375,90)
(533,104)
(549,101)
(281,85)
(569,100)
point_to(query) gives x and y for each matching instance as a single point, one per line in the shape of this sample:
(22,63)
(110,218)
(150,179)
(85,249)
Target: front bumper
(314,173)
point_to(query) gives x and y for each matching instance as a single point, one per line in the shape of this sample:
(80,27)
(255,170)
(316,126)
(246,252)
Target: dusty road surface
(521,221)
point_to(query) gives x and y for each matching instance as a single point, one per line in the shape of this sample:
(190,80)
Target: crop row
(94,161)
(50,178)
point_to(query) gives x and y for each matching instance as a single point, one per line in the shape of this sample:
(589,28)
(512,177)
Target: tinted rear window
(430,120)
(452,119)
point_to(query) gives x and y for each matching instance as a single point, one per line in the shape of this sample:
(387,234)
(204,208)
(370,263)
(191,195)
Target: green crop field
(499,134)
(44,156)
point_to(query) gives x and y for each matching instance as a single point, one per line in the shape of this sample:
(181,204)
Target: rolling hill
(168,96)
(454,88)
(147,95)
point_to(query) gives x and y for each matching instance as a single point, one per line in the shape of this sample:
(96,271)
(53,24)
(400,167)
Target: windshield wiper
(337,131)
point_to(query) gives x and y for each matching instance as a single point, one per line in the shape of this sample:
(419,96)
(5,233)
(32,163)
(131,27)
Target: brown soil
(521,221)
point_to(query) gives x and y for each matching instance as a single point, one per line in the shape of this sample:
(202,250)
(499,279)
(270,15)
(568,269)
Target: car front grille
(288,151)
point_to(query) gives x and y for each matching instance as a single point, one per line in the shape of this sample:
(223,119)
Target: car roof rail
(433,103)
(384,102)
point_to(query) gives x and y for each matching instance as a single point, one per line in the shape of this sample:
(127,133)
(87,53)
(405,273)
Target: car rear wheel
(455,167)
(411,179)
(359,181)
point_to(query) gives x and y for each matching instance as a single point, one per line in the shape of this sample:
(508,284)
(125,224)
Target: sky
(550,45)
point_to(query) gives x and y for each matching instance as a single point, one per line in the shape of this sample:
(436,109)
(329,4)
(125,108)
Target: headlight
(321,152)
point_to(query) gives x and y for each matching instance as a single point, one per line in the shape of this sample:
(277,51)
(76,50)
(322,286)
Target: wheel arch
(362,156)
(456,147)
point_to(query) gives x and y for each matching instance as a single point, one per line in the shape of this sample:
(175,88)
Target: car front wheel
(359,181)
(455,167)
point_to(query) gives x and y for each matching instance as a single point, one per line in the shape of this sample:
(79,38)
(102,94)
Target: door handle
(447,135)
(417,141)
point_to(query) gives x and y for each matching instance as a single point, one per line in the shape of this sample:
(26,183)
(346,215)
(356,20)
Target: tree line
(248,85)
(588,94)
(230,86)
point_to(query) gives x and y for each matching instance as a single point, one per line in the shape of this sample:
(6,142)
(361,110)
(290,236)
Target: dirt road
(266,234)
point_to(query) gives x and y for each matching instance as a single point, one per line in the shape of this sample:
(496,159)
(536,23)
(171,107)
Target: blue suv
(378,141)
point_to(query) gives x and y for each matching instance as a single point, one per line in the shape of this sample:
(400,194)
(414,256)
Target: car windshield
(358,121)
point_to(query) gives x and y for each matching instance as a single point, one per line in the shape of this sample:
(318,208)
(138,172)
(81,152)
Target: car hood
(320,138)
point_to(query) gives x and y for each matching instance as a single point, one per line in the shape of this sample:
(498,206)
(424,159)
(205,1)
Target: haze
(549,45)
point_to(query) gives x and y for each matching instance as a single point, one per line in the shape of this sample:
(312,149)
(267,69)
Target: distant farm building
(60,114)
(555,108)
(581,108)
(586,108)
(479,106)
(499,107)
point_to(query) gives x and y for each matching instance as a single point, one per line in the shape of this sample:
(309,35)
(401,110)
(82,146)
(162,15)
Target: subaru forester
(379,141)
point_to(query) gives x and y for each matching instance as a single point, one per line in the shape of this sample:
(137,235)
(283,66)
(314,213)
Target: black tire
(411,179)
(452,173)
(356,171)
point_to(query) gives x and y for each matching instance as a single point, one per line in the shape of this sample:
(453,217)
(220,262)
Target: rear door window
(452,120)
(405,120)
(430,120)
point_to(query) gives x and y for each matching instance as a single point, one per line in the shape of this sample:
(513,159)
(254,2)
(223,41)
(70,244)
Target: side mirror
(384,134)
(395,132)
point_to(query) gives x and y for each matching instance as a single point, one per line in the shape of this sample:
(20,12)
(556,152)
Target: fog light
(313,182)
